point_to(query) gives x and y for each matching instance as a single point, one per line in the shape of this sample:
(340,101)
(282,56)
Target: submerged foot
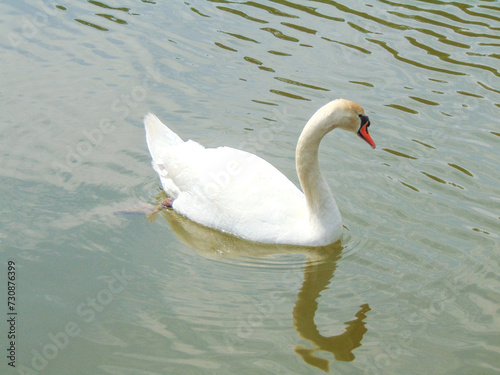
(145,208)
(168,202)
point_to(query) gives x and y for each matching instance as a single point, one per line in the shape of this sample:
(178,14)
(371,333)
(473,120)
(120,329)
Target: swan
(239,193)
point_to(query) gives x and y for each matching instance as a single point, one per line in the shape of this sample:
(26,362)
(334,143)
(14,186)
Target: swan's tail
(158,136)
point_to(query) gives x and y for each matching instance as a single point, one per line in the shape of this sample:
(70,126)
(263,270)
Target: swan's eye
(363,130)
(364,120)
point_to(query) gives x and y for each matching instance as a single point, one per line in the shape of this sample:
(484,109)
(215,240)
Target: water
(412,288)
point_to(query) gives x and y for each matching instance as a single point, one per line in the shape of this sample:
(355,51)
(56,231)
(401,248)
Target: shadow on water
(319,269)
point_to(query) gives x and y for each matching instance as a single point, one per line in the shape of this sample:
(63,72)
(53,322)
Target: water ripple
(418,265)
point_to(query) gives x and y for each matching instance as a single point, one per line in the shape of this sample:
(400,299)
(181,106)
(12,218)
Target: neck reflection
(319,269)
(317,276)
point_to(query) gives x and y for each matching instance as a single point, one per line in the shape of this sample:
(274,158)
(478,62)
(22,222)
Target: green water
(414,285)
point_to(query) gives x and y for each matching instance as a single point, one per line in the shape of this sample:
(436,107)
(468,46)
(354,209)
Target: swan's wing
(158,135)
(231,190)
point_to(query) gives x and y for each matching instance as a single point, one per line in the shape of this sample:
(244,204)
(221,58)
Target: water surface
(413,286)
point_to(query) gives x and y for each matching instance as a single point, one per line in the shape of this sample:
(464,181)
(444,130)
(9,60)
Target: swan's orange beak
(363,133)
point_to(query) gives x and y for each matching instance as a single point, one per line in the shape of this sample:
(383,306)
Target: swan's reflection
(316,278)
(319,269)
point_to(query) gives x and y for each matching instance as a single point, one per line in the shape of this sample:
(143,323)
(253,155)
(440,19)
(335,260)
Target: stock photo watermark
(417,323)
(11,314)
(252,321)
(86,312)
(76,154)
(30,26)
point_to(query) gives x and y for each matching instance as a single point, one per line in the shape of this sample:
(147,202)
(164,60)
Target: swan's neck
(321,205)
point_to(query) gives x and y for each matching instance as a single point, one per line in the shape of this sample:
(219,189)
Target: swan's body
(237,192)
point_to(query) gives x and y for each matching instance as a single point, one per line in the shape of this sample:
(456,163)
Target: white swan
(239,193)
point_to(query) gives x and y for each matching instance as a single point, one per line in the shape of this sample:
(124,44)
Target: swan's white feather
(225,188)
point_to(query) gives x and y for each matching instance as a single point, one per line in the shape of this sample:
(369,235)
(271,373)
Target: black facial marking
(364,119)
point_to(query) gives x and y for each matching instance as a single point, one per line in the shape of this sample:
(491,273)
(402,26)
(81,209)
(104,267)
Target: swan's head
(347,115)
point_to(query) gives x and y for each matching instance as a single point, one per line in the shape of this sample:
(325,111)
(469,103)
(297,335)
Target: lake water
(412,288)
